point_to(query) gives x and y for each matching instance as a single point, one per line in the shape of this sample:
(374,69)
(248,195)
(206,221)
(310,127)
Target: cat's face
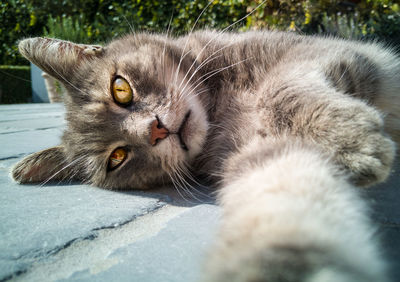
(134,117)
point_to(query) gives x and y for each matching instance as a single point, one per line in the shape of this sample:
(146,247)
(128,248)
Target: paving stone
(9,127)
(93,254)
(385,198)
(391,248)
(22,143)
(29,106)
(29,128)
(37,221)
(176,253)
(25,112)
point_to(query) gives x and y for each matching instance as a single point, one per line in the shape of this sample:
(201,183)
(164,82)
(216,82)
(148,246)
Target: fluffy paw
(353,133)
(370,162)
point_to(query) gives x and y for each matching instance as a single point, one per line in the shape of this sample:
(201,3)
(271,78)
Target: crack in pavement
(39,118)
(32,129)
(14,156)
(40,256)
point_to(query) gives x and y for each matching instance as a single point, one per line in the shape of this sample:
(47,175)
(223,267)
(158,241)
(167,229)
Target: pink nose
(158,132)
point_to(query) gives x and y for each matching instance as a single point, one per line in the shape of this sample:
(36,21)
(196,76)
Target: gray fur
(255,99)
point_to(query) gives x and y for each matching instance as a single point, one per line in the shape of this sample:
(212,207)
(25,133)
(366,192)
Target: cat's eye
(117,157)
(121,91)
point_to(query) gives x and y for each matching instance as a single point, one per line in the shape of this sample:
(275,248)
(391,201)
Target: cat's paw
(371,162)
(355,137)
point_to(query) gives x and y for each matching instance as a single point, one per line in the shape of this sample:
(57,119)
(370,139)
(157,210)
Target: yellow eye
(121,91)
(117,157)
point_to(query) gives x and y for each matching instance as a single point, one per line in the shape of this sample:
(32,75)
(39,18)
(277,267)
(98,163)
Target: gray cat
(285,125)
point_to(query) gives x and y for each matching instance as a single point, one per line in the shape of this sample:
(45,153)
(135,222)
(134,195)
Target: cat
(285,126)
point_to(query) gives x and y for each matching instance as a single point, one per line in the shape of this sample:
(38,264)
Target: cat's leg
(299,100)
(289,214)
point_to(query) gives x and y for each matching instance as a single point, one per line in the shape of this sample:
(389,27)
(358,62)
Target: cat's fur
(287,125)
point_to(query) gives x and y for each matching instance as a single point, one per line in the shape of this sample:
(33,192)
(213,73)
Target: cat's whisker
(131,28)
(211,73)
(76,88)
(188,175)
(16,77)
(184,184)
(205,62)
(197,93)
(72,176)
(62,163)
(175,186)
(186,187)
(129,24)
(219,34)
(165,43)
(214,72)
(183,94)
(182,174)
(175,183)
(197,69)
(178,186)
(59,171)
(187,40)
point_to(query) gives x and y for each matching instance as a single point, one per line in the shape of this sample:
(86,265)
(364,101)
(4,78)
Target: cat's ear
(43,166)
(58,58)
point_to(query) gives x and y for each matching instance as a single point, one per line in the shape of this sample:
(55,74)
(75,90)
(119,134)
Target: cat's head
(133,110)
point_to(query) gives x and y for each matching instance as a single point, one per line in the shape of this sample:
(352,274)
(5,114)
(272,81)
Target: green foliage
(65,28)
(97,21)
(350,19)
(15,84)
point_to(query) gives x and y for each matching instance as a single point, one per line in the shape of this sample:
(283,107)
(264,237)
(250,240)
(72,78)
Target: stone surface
(38,221)
(386,197)
(72,232)
(175,254)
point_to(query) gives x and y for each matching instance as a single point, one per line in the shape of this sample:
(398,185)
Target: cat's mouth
(182,131)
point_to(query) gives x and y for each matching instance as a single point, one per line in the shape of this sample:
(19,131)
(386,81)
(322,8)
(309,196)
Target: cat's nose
(158,132)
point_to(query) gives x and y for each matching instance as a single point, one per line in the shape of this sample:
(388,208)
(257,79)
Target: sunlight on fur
(283,126)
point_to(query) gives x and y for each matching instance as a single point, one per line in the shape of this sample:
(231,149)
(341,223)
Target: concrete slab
(183,244)
(390,234)
(172,249)
(385,198)
(43,121)
(39,221)
(22,143)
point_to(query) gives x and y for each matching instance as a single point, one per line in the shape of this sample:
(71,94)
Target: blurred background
(98,21)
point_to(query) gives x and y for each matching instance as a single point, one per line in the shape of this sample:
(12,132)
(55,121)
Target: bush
(357,19)
(15,84)
(65,28)
(99,21)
